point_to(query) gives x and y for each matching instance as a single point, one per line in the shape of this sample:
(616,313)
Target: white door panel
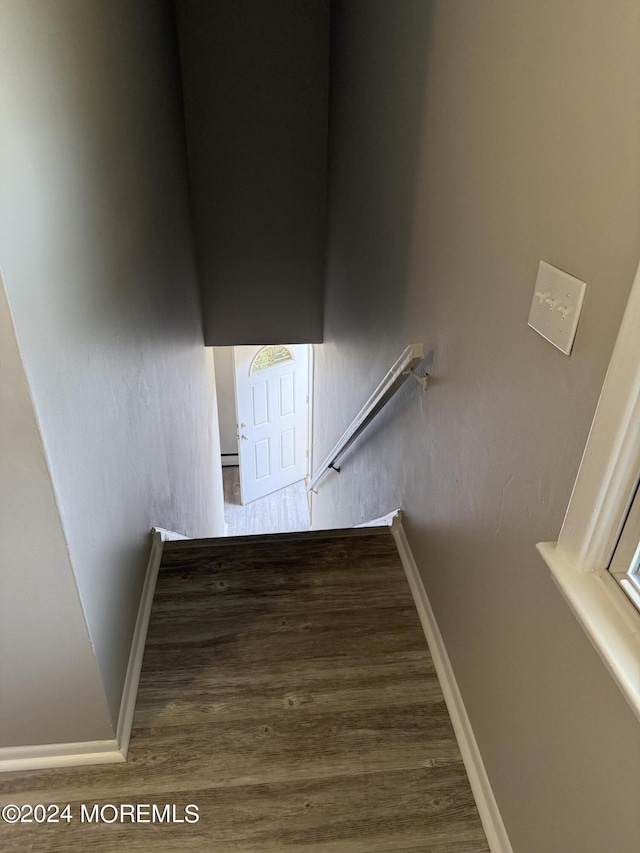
(259,404)
(287,449)
(273,417)
(287,404)
(261,455)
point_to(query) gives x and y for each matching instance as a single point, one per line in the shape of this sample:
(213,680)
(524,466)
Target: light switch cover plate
(556,305)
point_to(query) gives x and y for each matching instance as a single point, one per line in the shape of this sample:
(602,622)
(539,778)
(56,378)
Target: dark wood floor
(288,692)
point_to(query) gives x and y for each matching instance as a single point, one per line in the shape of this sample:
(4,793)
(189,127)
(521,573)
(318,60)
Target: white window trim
(601,496)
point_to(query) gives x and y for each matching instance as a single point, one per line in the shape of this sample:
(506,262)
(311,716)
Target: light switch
(555,310)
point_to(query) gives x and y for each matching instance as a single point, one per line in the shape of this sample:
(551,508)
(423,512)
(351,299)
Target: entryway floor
(284,511)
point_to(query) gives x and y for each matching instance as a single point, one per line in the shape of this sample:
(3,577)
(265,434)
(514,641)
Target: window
(599,517)
(625,565)
(270,356)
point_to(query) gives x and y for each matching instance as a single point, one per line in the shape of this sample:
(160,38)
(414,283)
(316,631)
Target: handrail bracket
(422,380)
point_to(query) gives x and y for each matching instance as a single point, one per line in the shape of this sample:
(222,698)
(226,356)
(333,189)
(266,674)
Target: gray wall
(470,140)
(255,78)
(97,259)
(225,387)
(49,679)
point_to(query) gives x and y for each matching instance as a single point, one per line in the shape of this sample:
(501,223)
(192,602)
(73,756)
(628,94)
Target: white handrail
(395,378)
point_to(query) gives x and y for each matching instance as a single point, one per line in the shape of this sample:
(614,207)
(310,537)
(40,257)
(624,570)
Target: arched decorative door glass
(271,356)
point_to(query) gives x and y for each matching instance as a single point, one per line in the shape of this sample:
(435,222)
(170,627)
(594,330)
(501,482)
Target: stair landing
(288,692)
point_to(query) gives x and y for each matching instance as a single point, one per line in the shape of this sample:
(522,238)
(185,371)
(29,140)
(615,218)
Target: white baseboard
(230,460)
(490,816)
(42,756)
(132,678)
(168,535)
(382,520)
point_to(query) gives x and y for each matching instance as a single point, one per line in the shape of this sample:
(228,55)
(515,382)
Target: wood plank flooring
(288,692)
(280,512)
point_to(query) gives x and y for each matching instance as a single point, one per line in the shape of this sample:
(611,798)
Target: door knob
(244,436)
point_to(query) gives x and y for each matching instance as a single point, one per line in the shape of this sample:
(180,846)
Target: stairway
(287,691)
(296,668)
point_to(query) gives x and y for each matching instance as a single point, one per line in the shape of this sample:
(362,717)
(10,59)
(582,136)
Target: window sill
(609,619)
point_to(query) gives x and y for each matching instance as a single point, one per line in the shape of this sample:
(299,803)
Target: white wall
(97,258)
(225,387)
(470,140)
(50,686)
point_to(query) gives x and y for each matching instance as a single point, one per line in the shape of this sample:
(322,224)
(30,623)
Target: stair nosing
(223,541)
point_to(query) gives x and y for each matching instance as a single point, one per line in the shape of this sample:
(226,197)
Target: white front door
(272,388)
